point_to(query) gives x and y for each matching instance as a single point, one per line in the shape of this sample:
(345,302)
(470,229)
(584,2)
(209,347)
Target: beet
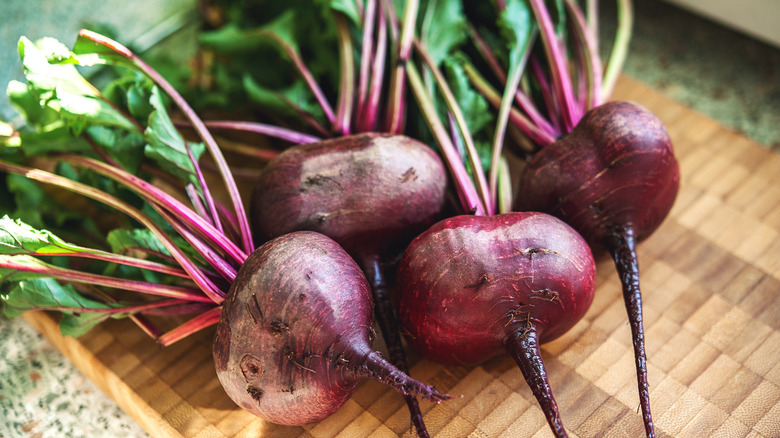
(474,287)
(294,338)
(371,193)
(614,179)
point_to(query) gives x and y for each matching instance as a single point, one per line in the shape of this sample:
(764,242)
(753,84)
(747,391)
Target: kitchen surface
(719,92)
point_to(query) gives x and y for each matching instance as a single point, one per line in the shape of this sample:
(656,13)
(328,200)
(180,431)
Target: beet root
(474,287)
(294,338)
(614,178)
(371,193)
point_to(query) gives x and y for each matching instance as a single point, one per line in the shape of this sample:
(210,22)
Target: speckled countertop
(716,71)
(42,395)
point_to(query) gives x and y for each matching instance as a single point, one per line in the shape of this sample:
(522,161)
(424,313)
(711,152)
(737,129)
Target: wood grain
(711,282)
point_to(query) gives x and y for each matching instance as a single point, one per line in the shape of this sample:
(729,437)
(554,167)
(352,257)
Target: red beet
(614,179)
(371,193)
(294,338)
(474,287)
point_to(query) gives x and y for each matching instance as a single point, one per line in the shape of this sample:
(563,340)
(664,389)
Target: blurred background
(723,61)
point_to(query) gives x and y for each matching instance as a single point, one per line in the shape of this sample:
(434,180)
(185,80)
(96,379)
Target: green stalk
(463,129)
(467,193)
(619,48)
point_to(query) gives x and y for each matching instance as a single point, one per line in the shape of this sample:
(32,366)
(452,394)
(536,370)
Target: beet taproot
(614,179)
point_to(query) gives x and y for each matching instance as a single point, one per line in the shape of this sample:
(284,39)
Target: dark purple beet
(294,338)
(475,287)
(614,179)
(371,193)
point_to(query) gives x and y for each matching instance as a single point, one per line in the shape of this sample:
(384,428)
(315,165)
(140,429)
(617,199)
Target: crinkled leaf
(279,101)
(14,268)
(59,85)
(44,72)
(83,111)
(124,147)
(37,293)
(77,324)
(233,39)
(475,108)
(517,25)
(45,130)
(166,146)
(348,8)
(443,27)
(34,205)
(28,105)
(123,239)
(88,52)
(172,234)
(16,237)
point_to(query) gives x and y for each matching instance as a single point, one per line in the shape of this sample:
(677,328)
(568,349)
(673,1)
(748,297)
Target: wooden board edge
(106,380)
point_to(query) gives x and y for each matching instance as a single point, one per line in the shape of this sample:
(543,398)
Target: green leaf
(443,28)
(166,146)
(517,26)
(75,325)
(348,8)
(11,268)
(233,39)
(122,239)
(283,101)
(476,109)
(53,79)
(125,147)
(16,237)
(87,52)
(38,293)
(34,205)
(44,72)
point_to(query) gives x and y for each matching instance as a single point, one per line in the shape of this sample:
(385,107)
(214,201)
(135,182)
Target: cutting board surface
(711,283)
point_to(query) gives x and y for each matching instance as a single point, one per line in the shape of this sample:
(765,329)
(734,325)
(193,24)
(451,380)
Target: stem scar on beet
(283,373)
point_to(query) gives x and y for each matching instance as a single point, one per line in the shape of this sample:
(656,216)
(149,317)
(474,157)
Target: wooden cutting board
(711,283)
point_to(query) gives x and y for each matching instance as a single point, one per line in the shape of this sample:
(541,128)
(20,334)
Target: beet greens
(607,169)
(176,249)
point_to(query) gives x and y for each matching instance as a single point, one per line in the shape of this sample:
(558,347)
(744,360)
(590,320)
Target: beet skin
(614,178)
(475,287)
(371,193)
(294,338)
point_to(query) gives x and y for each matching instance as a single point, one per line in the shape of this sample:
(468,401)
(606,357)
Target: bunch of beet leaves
(148,236)
(357,74)
(607,169)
